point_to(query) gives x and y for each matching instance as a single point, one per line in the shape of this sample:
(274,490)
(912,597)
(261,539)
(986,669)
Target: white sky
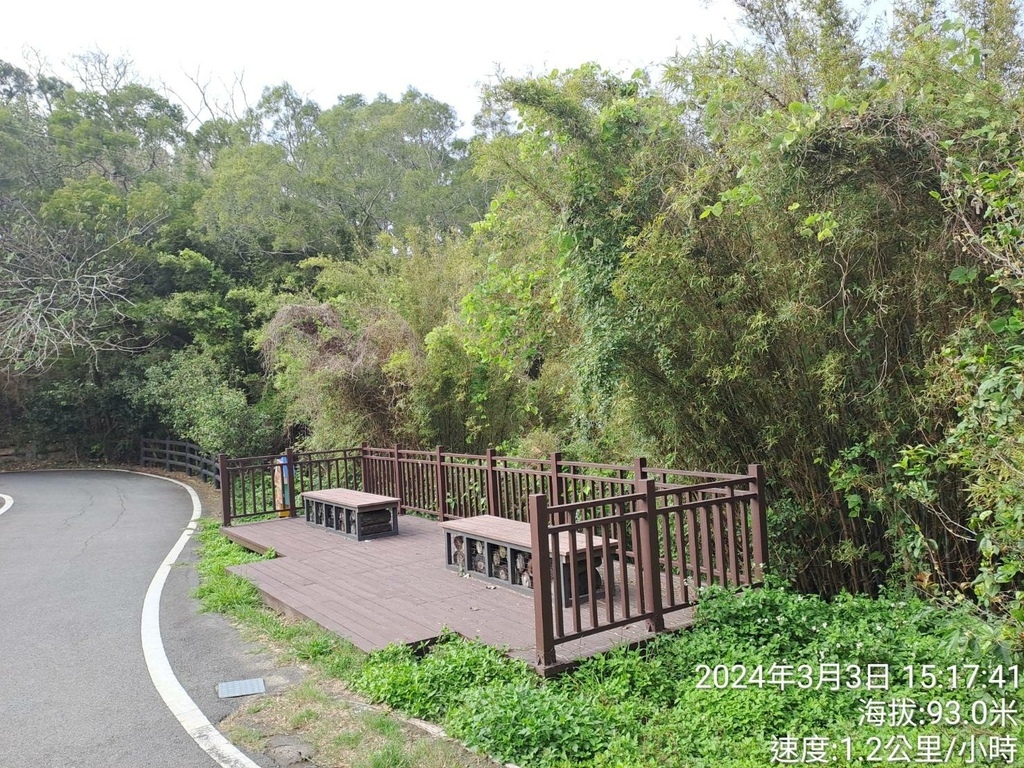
(324,50)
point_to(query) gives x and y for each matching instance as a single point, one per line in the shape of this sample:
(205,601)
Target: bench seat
(498,549)
(355,514)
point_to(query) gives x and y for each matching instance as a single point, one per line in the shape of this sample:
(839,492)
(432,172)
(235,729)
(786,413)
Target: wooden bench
(501,550)
(354,514)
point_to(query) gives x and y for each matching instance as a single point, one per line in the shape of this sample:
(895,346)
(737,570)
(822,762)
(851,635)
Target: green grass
(391,755)
(649,709)
(303,718)
(382,724)
(347,740)
(220,591)
(250,738)
(635,709)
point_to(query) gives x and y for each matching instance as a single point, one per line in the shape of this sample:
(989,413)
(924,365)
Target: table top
(357,500)
(516,533)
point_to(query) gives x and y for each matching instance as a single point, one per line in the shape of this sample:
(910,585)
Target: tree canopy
(802,249)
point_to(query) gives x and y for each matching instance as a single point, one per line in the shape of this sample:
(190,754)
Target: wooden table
(354,514)
(501,550)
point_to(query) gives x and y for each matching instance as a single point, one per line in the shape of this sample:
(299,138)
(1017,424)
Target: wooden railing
(623,544)
(257,486)
(645,554)
(440,484)
(179,455)
(613,530)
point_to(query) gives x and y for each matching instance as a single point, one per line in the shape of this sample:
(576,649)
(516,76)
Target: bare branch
(61,289)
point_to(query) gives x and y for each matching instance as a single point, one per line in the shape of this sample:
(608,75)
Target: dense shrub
(431,686)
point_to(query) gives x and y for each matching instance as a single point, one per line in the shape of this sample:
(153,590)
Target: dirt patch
(320,722)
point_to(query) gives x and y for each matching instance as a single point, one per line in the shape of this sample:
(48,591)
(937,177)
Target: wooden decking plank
(290,575)
(353,633)
(371,609)
(372,613)
(397,589)
(296,568)
(373,629)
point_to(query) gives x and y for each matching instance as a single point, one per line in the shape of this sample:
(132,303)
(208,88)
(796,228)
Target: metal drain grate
(241,688)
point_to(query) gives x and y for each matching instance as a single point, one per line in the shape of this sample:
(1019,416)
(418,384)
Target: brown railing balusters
(684,587)
(491,478)
(555,483)
(606,562)
(730,525)
(442,485)
(747,577)
(621,526)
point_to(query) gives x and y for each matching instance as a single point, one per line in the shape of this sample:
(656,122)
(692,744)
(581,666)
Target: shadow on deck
(397,590)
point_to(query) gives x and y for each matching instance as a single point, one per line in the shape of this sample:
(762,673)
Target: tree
(393,165)
(257,207)
(193,396)
(15,83)
(759,265)
(64,285)
(331,182)
(122,134)
(30,165)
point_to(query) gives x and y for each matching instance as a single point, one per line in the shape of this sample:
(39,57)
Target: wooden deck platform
(397,590)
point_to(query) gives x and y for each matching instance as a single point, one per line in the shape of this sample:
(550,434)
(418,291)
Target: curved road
(78,551)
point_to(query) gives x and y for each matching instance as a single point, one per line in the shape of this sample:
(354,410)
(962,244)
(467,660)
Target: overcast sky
(325,50)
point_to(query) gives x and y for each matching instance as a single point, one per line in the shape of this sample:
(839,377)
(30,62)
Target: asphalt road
(78,550)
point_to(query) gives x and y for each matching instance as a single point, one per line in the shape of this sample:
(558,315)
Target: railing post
(142,452)
(541,565)
(226,487)
(364,475)
(442,485)
(398,481)
(289,482)
(639,472)
(758,520)
(167,454)
(650,560)
(492,483)
(557,495)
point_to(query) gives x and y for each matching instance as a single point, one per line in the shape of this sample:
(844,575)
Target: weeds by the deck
(343,730)
(763,673)
(731,693)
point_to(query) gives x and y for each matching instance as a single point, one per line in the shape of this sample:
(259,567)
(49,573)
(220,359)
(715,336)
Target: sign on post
(282,490)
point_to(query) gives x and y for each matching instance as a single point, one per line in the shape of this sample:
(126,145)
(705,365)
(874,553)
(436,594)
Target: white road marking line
(6,502)
(212,741)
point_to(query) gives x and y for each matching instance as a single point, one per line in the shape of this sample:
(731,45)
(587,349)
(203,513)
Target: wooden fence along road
(179,455)
(654,535)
